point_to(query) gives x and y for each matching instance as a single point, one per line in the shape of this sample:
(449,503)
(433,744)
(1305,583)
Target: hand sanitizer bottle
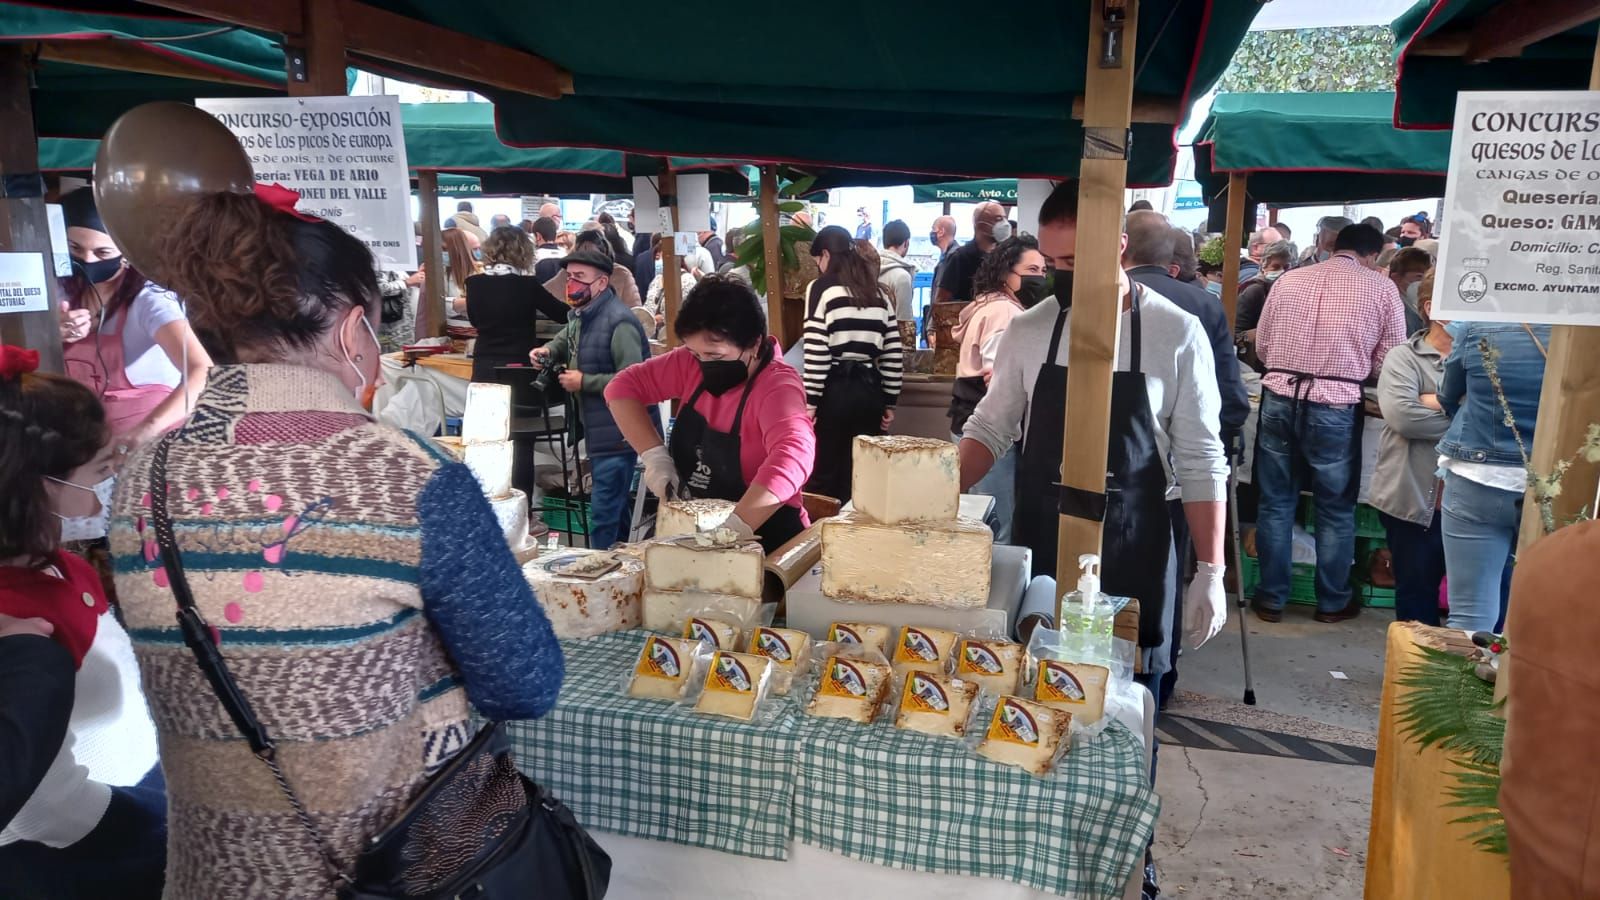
(1087,618)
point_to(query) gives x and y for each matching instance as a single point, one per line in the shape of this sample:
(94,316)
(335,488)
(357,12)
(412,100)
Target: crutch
(1238,577)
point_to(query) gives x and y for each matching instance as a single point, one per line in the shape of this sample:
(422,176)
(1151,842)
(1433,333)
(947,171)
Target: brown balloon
(152,161)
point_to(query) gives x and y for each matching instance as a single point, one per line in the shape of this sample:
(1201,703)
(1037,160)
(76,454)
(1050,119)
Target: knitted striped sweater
(362,594)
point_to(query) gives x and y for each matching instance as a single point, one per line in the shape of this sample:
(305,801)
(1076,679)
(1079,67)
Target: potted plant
(751,252)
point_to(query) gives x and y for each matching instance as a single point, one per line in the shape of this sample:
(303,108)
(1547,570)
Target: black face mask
(722,375)
(101,270)
(1404,241)
(1031,290)
(1064,286)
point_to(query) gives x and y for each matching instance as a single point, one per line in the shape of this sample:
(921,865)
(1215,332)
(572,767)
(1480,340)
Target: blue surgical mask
(1456,330)
(1269,276)
(1215,287)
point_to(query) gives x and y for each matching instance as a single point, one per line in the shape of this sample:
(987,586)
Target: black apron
(1137,538)
(708,464)
(1301,383)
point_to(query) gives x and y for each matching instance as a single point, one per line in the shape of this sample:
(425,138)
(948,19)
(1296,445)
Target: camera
(549,378)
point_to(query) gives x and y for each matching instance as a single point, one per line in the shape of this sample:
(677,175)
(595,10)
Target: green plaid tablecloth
(654,770)
(911,801)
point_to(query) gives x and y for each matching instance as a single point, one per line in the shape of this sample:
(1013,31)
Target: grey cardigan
(1405,483)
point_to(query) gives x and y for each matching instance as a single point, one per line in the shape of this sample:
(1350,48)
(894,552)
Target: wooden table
(456,365)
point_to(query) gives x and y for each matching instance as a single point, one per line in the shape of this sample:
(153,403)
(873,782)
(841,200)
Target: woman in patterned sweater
(852,357)
(356,580)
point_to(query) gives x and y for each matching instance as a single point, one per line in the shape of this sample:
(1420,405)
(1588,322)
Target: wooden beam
(1147,110)
(1096,321)
(430,308)
(127,56)
(773,250)
(1506,30)
(671,263)
(321,48)
(24,226)
(382,35)
(1231,242)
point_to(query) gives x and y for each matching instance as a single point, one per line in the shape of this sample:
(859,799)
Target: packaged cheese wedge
(996,666)
(789,650)
(934,704)
(922,650)
(719,634)
(665,670)
(1078,688)
(864,634)
(850,689)
(735,685)
(1026,734)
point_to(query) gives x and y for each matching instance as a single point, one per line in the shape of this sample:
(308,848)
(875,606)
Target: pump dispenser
(1087,617)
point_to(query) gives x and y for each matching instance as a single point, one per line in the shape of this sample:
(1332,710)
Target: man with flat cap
(601,338)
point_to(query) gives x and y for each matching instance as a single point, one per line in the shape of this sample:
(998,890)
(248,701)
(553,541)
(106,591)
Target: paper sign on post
(646,203)
(1031,194)
(22,285)
(1521,238)
(694,202)
(345,156)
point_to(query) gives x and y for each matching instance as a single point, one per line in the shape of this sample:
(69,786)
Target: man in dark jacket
(36,689)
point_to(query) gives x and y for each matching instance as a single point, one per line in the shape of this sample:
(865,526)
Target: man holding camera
(600,339)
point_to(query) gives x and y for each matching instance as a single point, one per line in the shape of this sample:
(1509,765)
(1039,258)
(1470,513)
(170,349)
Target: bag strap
(197,635)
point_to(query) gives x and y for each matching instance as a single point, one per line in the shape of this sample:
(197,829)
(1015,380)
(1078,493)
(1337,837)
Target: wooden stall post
(1232,241)
(671,266)
(430,309)
(1097,303)
(24,227)
(319,51)
(1568,404)
(772,245)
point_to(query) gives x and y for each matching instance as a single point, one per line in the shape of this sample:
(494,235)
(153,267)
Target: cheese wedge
(733,685)
(667,611)
(875,637)
(680,564)
(935,563)
(690,516)
(662,672)
(1025,734)
(996,666)
(933,704)
(789,650)
(720,635)
(1078,688)
(922,650)
(487,417)
(899,478)
(490,463)
(850,689)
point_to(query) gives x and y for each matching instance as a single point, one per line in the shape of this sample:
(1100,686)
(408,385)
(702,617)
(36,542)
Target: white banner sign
(1522,210)
(345,156)
(22,285)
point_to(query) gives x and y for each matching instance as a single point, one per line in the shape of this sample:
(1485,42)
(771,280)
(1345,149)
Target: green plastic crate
(1302,581)
(1368,525)
(565,515)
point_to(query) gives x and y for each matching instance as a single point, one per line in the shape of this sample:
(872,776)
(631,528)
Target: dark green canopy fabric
(1427,85)
(1317,148)
(1003,190)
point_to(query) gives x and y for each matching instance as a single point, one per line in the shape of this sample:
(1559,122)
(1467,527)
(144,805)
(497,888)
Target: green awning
(1317,148)
(1003,190)
(1427,85)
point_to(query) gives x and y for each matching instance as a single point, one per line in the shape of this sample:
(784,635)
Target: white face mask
(377,346)
(93,527)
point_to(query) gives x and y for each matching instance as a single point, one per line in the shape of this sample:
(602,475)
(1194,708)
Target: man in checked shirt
(1324,331)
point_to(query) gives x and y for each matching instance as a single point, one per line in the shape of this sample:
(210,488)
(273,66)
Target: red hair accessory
(282,199)
(15,362)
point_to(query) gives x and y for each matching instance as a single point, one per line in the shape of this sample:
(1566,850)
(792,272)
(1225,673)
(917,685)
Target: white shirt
(143,360)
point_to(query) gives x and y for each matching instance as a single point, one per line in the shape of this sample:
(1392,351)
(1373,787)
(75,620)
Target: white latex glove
(1205,605)
(745,532)
(660,474)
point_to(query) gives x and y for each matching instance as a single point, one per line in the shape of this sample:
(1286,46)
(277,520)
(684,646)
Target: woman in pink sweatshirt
(1010,279)
(742,433)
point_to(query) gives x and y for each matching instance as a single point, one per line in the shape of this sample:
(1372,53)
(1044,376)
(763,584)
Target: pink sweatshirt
(979,328)
(776,443)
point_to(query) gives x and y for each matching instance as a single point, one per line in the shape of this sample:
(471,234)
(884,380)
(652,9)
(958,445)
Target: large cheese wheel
(582,607)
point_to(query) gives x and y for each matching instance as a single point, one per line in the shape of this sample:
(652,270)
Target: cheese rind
(734,685)
(720,635)
(1078,688)
(487,417)
(676,517)
(667,611)
(1025,734)
(511,511)
(922,650)
(898,478)
(995,666)
(934,563)
(933,704)
(490,463)
(663,669)
(864,634)
(850,689)
(584,607)
(679,564)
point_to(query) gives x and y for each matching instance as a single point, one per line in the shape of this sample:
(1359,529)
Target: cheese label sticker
(660,660)
(1013,723)
(977,659)
(923,693)
(844,680)
(915,646)
(844,634)
(700,630)
(771,644)
(730,675)
(1057,684)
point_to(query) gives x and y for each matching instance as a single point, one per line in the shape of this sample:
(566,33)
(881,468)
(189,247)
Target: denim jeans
(608,502)
(1418,567)
(1001,484)
(1318,446)
(1480,533)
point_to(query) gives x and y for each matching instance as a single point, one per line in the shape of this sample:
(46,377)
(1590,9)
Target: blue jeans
(1480,533)
(608,502)
(1418,567)
(1318,446)
(1001,484)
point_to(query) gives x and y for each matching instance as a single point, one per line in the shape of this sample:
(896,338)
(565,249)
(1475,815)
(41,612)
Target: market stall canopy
(1317,148)
(1443,47)
(94,67)
(1002,190)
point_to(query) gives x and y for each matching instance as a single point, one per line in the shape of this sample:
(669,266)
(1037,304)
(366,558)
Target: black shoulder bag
(478,829)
